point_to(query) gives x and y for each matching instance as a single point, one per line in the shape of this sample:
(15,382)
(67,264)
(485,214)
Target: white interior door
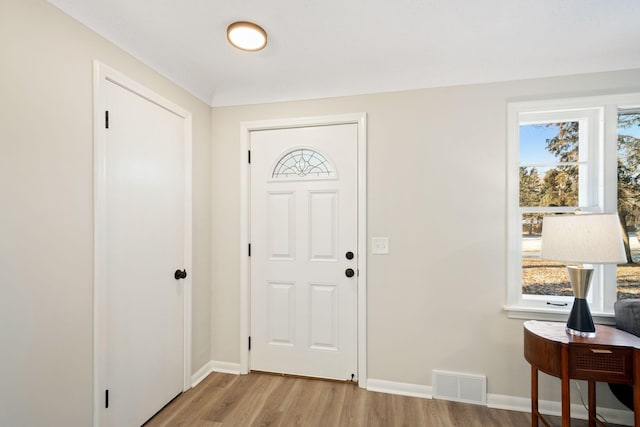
(304,251)
(145,196)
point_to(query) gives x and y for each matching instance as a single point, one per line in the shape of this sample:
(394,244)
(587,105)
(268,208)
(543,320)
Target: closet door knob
(180,274)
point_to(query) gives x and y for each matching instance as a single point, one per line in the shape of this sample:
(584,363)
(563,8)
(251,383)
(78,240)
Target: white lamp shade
(583,238)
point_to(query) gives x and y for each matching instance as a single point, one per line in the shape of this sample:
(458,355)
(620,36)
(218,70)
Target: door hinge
(249,343)
(249,156)
(249,249)
(106,119)
(106,398)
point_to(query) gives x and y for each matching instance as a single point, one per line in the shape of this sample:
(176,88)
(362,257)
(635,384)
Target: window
(565,156)
(302,163)
(628,275)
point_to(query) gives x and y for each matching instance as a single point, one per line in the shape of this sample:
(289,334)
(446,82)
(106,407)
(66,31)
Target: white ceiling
(327,48)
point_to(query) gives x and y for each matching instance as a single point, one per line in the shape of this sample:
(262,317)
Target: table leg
(566,392)
(592,404)
(636,386)
(534,396)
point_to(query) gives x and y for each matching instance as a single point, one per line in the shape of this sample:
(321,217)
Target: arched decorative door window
(303,163)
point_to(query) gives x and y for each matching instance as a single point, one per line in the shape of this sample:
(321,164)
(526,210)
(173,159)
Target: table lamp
(582,239)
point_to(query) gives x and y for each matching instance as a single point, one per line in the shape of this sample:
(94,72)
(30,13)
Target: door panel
(323,213)
(323,316)
(281,314)
(281,231)
(145,229)
(303,221)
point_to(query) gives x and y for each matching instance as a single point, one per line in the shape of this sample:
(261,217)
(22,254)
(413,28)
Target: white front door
(303,225)
(143,231)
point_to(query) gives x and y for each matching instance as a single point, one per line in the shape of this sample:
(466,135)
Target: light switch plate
(380,245)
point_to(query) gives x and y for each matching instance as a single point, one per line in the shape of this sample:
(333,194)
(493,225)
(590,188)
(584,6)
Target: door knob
(349,255)
(180,274)
(349,272)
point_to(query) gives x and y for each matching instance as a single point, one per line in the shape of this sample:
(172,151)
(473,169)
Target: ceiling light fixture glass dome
(247,36)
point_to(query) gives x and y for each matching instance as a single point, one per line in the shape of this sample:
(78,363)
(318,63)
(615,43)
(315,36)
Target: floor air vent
(459,387)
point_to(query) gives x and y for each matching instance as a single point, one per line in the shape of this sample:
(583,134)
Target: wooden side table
(613,356)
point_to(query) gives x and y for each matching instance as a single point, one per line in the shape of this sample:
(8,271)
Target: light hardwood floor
(260,399)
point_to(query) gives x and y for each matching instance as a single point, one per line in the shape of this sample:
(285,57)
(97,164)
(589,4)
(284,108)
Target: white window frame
(598,118)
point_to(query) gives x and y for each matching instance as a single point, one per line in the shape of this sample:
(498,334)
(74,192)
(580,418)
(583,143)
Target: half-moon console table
(613,356)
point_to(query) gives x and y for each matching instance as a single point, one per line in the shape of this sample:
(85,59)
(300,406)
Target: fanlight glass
(303,163)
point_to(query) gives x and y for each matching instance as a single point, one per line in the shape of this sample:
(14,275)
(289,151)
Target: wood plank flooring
(258,399)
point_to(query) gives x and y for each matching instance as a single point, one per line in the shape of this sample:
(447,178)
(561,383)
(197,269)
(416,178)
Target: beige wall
(46,211)
(437,189)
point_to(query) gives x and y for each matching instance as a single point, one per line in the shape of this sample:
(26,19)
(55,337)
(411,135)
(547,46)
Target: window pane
(549,186)
(540,277)
(628,275)
(544,179)
(549,143)
(301,163)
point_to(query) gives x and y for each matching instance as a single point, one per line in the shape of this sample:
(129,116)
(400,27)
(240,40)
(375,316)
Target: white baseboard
(214,366)
(523,404)
(403,389)
(510,403)
(225,367)
(202,373)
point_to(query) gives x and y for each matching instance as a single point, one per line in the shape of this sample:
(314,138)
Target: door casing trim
(101,74)
(360,119)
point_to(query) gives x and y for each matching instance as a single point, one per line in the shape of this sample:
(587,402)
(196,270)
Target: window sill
(550,314)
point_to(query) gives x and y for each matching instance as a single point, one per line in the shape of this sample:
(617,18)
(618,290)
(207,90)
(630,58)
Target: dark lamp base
(580,322)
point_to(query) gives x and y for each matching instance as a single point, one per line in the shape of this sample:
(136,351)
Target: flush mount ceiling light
(247,36)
